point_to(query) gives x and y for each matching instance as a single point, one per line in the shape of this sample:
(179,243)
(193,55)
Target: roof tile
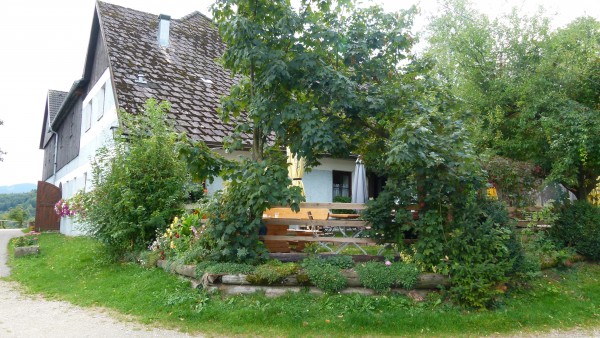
(174,73)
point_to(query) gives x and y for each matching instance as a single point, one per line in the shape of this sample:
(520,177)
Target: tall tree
(18,214)
(311,76)
(531,93)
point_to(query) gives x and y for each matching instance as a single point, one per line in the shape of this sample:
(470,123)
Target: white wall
(76,175)
(318,183)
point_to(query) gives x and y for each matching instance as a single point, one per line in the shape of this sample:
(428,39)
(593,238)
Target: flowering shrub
(72,206)
(179,236)
(62,209)
(28,240)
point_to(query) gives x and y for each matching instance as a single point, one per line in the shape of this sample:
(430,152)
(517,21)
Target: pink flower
(388,263)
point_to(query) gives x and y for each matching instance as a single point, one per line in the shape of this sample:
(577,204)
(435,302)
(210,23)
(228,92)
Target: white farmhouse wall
(318,186)
(76,175)
(318,183)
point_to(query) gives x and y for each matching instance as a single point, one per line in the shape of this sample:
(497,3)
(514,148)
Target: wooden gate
(45,216)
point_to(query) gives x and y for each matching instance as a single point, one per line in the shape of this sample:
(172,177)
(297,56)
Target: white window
(98,104)
(87,116)
(109,99)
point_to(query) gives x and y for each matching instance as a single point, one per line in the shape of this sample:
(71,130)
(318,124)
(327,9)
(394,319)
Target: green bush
(542,251)
(326,277)
(148,259)
(578,225)
(406,275)
(235,214)
(28,239)
(480,257)
(339,261)
(381,277)
(223,268)
(272,272)
(139,184)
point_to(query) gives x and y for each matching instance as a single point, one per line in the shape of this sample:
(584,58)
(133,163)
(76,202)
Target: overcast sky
(45,42)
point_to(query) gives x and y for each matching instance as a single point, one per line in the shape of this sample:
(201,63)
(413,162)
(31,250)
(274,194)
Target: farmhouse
(133,56)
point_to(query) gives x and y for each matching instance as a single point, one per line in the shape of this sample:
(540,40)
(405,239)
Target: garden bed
(235,284)
(21,251)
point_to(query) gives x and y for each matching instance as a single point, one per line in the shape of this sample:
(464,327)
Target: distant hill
(17,188)
(25,199)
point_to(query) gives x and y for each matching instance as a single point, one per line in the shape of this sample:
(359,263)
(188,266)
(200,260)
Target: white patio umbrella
(359,183)
(296,169)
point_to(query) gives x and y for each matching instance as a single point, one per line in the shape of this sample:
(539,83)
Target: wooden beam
(525,223)
(316,222)
(319,239)
(298,256)
(322,205)
(318,205)
(274,291)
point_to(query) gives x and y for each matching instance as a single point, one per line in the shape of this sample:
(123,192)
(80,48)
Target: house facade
(133,56)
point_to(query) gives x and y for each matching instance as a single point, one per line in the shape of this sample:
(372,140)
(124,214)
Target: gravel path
(5,236)
(25,316)
(574,333)
(33,316)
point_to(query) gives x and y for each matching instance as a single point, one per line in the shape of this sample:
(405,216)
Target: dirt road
(33,316)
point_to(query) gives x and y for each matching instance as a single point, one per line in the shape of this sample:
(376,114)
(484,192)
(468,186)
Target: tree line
(18,206)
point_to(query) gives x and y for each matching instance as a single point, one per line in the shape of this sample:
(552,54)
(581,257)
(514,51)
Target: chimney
(164,22)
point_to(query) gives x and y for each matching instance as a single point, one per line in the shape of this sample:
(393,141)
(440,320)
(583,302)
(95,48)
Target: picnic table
(315,224)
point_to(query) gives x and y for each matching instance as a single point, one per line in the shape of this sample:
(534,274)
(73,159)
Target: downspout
(55,164)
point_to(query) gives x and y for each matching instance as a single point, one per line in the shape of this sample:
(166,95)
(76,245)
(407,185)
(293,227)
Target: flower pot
(21,251)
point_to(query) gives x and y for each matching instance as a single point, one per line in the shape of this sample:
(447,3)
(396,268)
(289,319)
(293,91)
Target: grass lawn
(72,269)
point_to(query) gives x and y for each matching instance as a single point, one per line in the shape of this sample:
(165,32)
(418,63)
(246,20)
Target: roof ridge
(193,14)
(184,18)
(104,3)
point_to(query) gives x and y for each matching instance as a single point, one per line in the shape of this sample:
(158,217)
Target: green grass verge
(72,269)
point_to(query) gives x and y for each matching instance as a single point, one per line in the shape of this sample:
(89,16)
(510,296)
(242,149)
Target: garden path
(5,236)
(24,315)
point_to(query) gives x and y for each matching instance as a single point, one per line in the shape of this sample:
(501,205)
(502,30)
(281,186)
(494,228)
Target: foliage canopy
(531,93)
(308,73)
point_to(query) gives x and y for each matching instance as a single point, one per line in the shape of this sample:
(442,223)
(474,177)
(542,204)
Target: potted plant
(27,245)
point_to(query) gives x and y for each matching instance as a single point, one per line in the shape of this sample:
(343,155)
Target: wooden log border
(237,283)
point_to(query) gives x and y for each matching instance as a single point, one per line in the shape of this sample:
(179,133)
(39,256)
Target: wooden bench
(278,220)
(312,218)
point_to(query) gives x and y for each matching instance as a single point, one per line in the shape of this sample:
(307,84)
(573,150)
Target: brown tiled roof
(185,73)
(55,100)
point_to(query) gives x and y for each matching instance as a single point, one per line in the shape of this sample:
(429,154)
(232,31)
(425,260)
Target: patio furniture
(315,222)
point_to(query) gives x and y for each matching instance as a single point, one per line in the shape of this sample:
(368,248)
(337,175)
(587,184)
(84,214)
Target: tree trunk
(583,189)
(257,145)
